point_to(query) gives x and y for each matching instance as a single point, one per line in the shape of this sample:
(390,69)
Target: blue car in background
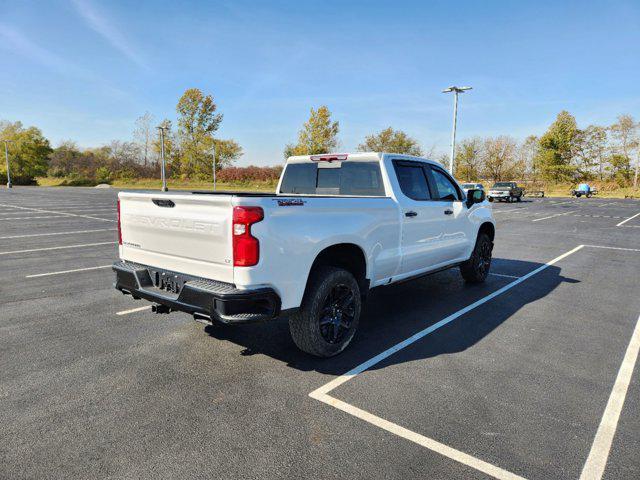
(584,189)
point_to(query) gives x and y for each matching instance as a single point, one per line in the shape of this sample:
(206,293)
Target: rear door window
(412,180)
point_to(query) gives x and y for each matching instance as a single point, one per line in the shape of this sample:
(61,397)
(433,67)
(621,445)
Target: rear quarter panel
(292,235)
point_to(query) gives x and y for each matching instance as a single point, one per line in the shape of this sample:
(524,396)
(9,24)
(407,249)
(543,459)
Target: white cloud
(98,22)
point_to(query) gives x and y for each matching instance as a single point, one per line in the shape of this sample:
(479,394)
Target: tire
(519,199)
(476,269)
(578,195)
(329,315)
(588,195)
(491,199)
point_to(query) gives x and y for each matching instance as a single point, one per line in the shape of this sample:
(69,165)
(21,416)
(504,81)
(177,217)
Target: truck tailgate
(183,233)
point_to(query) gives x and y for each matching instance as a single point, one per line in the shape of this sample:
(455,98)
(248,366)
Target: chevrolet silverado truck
(508,191)
(338,226)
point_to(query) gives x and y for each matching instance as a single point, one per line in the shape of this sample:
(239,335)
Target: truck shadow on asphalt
(394,313)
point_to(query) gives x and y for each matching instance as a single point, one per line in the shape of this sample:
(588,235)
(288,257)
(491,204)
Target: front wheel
(491,199)
(329,315)
(476,269)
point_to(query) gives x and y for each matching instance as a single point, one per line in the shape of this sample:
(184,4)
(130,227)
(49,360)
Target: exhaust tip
(157,308)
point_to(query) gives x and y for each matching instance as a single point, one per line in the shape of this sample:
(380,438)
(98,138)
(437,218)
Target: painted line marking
(31,218)
(502,275)
(57,248)
(596,462)
(67,271)
(614,248)
(133,310)
(90,210)
(553,216)
(60,233)
(322,393)
(59,213)
(625,221)
(421,440)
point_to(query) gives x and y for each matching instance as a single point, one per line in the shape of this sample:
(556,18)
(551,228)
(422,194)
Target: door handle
(448,212)
(411,214)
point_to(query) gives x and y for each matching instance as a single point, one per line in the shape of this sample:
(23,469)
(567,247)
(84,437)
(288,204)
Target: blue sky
(85,70)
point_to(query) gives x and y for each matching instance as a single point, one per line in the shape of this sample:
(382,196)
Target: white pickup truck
(337,226)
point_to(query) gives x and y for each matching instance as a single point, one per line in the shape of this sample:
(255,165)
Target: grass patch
(154,184)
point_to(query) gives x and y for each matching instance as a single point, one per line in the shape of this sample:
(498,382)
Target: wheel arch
(348,256)
(488,228)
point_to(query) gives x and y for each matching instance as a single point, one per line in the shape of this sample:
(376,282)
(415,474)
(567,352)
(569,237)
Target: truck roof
(356,157)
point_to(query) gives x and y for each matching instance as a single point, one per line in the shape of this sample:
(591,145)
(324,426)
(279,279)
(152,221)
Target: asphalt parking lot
(530,375)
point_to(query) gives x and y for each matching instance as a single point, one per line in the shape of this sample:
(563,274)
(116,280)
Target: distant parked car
(584,189)
(507,191)
(472,186)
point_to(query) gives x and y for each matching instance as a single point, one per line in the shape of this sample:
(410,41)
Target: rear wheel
(519,198)
(476,269)
(329,315)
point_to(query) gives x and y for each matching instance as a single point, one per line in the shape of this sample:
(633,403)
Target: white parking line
(90,210)
(421,440)
(77,232)
(31,218)
(67,271)
(594,467)
(625,221)
(60,213)
(133,310)
(614,248)
(502,275)
(552,216)
(57,248)
(322,393)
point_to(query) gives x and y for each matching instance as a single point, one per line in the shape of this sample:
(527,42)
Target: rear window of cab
(333,178)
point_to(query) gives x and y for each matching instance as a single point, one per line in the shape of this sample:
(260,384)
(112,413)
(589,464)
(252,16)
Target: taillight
(119,227)
(246,248)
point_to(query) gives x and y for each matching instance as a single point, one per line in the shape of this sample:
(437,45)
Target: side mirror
(475,196)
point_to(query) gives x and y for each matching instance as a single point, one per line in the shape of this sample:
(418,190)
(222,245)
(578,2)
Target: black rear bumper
(200,297)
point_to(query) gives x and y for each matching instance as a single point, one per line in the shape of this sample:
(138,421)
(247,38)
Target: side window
(413,181)
(446,189)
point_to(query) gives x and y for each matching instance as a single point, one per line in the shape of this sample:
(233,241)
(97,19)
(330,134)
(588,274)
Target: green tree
(318,135)
(468,159)
(197,124)
(28,152)
(557,148)
(591,151)
(391,141)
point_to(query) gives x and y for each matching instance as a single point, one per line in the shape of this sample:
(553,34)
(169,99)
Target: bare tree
(625,132)
(144,134)
(499,158)
(592,149)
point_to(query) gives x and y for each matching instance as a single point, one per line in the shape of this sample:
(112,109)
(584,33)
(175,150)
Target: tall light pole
(455,91)
(162,128)
(6,156)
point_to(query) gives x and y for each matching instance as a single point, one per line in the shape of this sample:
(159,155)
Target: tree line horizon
(565,153)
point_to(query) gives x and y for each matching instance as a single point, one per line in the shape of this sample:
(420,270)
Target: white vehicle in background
(337,226)
(472,186)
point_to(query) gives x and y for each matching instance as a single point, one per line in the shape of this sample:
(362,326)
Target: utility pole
(455,91)
(6,156)
(213,149)
(162,167)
